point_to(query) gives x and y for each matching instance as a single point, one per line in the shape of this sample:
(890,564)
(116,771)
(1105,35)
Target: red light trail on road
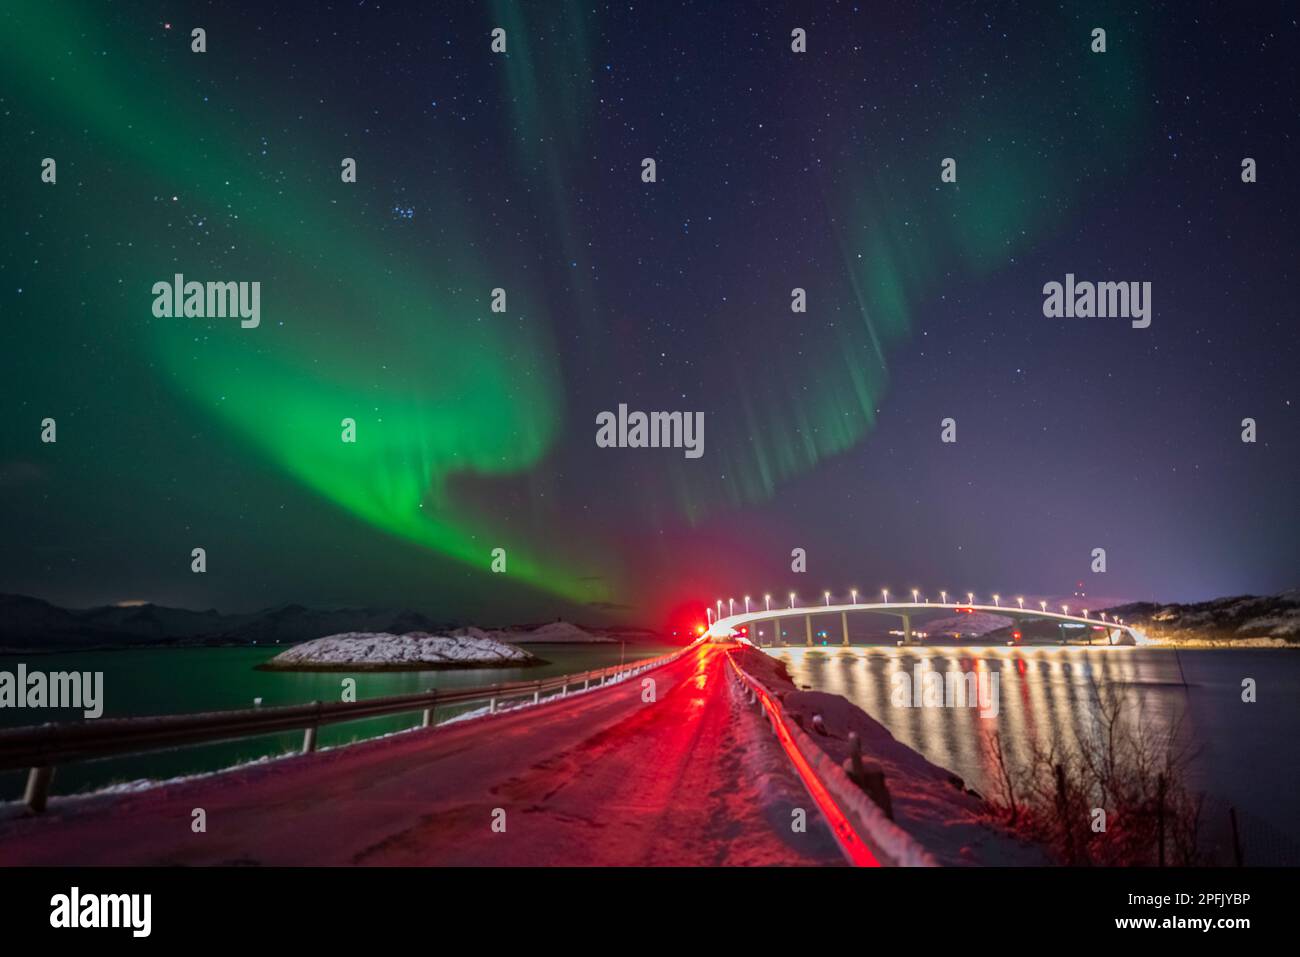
(854,849)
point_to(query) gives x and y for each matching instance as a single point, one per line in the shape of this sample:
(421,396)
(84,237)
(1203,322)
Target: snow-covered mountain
(973,625)
(558,632)
(1223,619)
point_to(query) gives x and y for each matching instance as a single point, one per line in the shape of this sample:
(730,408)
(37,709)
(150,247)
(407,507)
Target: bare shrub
(1133,770)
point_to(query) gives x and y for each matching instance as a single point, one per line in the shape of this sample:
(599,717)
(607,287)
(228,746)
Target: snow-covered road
(692,778)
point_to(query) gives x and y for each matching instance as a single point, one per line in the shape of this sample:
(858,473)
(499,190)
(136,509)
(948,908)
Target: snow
(415,649)
(1181,642)
(1248,621)
(936,818)
(968,625)
(558,632)
(1277,626)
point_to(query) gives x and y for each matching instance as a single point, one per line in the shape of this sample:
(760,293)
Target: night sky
(522,170)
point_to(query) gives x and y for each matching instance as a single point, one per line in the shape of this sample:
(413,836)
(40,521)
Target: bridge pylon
(908,638)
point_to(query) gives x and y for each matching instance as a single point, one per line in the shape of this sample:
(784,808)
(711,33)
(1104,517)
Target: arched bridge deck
(1116,632)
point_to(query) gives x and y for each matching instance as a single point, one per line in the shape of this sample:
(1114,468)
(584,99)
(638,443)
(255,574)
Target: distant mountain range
(31,624)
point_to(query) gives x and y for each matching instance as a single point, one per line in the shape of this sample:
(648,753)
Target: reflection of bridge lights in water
(1045,696)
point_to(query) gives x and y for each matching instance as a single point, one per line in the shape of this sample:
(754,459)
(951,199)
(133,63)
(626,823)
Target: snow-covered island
(414,651)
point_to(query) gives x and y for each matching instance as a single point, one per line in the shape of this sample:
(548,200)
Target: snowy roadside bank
(930,804)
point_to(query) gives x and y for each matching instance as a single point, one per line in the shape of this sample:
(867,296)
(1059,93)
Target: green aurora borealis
(476,171)
(437,390)
(441,395)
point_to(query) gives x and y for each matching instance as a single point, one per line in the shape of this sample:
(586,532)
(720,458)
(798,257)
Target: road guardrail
(42,748)
(867,837)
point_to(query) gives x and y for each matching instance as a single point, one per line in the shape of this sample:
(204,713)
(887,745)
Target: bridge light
(767,602)
(1043,605)
(1103,615)
(709,614)
(854,593)
(791,599)
(915,593)
(731,607)
(1085,613)
(1021,601)
(943,597)
(885,592)
(996,600)
(970,598)
(1065,609)
(828,599)
(746,604)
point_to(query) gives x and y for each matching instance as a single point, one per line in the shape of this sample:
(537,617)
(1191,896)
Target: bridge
(1115,630)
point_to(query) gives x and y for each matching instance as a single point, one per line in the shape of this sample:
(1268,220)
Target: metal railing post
(309,736)
(38,788)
